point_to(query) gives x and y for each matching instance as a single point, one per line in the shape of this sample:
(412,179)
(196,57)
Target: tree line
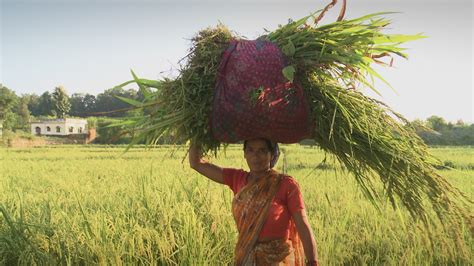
(16,112)
(435,131)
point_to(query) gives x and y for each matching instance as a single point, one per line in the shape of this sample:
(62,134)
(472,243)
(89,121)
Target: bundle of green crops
(330,61)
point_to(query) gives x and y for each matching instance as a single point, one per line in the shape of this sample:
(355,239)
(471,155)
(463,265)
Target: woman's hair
(272,147)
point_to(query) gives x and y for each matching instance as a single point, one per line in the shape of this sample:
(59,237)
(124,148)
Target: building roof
(60,120)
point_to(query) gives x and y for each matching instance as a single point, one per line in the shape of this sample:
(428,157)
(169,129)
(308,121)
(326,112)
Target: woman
(268,208)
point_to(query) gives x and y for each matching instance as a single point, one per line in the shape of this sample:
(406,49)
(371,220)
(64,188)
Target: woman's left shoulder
(288,180)
(289,186)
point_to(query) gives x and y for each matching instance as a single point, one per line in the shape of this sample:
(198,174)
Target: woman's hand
(202,166)
(195,155)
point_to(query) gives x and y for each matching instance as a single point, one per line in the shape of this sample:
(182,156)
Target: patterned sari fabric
(250,209)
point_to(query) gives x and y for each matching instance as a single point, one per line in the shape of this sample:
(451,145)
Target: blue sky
(89,46)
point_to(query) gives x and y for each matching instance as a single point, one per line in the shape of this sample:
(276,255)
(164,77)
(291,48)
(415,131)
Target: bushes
(106,134)
(435,131)
(110,133)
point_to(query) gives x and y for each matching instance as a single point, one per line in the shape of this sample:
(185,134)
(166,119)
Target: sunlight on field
(96,204)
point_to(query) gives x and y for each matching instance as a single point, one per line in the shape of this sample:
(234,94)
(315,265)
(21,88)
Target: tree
(418,125)
(77,104)
(61,102)
(107,101)
(45,105)
(436,123)
(441,133)
(89,104)
(82,104)
(8,100)
(23,113)
(33,104)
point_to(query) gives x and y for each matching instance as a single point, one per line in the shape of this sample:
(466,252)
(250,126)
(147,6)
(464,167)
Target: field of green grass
(97,205)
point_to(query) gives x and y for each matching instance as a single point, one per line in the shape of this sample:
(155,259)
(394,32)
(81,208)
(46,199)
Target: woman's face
(258,155)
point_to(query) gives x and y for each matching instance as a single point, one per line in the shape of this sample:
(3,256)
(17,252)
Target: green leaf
(125,84)
(396,38)
(151,83)
(289,72)
(121,123)
(143,89)
(129,101)
(289,49)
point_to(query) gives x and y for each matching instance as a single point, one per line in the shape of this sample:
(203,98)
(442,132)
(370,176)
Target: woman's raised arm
(202,166)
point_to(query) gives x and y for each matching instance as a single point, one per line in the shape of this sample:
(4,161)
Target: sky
(89,46)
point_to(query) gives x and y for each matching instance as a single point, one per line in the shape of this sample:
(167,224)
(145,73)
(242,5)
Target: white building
(59,127)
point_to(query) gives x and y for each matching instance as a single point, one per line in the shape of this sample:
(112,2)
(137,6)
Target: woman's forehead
(257,144)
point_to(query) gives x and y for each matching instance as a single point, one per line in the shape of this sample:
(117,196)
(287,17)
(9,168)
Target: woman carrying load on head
(267,207)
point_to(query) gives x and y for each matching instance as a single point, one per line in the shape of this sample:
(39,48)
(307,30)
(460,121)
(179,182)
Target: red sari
(250,209)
